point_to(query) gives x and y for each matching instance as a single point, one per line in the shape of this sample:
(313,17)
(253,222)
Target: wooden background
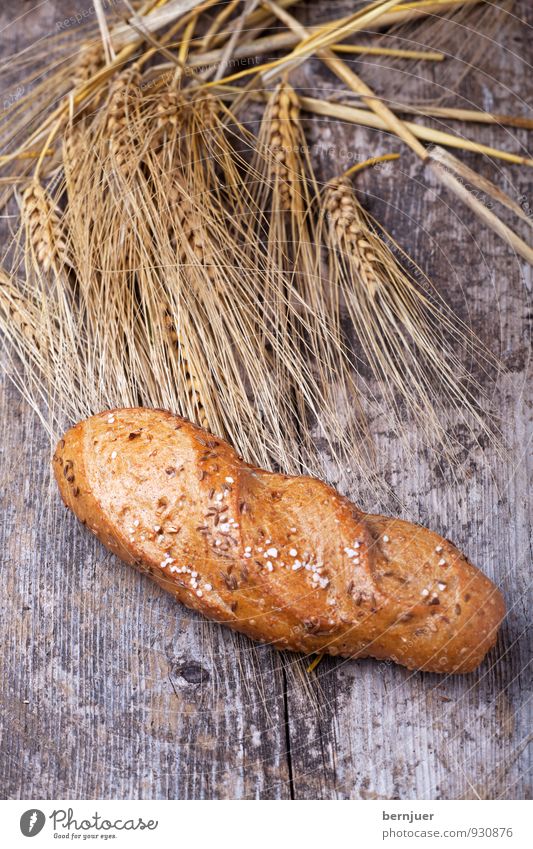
(111,690)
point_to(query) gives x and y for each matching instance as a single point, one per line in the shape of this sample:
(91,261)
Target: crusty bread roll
(283,559)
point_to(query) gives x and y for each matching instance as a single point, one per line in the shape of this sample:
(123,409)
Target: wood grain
(111,690)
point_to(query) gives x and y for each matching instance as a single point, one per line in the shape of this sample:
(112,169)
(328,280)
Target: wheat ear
(40,218)
(286,192)
(402,332)
(121,113)
(20,314)
(90,60)
(27,327)
(193,385)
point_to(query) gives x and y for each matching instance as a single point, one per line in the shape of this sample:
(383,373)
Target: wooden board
(111,690)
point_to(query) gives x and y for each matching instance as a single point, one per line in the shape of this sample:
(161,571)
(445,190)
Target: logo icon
(32,822)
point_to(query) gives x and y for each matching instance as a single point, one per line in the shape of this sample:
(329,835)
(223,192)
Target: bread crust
(286,560)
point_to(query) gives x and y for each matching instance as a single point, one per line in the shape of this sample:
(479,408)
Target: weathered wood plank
(112,690)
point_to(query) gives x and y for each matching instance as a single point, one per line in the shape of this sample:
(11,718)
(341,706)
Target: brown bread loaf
(283,559)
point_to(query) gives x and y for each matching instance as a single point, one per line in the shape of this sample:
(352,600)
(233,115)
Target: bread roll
(286,560)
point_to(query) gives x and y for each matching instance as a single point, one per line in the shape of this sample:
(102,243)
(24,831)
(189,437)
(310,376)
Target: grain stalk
(401,331)
(367,118)
(89,63)
(41,221)
(31,347)
(286,190)
(193,384)
(20,317)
